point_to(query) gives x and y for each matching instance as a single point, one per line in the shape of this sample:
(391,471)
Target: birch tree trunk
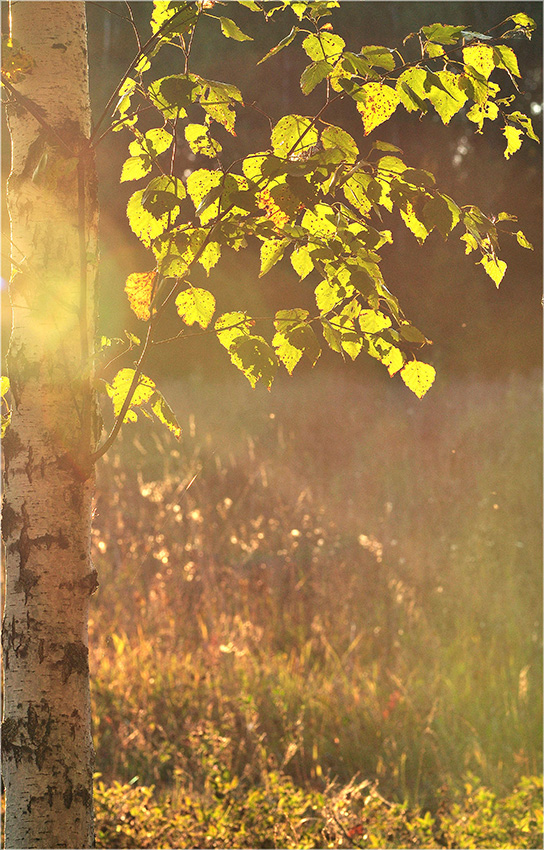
(48,481)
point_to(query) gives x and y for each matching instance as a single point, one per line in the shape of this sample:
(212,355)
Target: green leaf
(513,140)
(413,223)
(523,241)
(373,321)
(445,94)
(143,223)
(470,242)
(292,135)
(313,75)
(301,261)
(504,57)
(119,389)
(336,137)
(218,101)
(172,94)
(524,22)
(378,56)
(230,326)
(272,251)
(418,377)
(295,338)
(181,15)
(177,249)
(210,256)
(385,146)
(136,167)
(204,187)
(198,138)
(255,358)
(153,143)
(320,221)
(285,42)
(327,46)
(438,213)
(525,122)
(164,413)
(163,195)
(196,305)
(411,88)
(494,268)
(441,34)
(232,30)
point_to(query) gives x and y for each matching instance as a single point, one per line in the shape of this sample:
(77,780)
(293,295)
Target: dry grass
(329,580)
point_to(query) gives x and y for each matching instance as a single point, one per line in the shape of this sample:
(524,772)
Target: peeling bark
(48,482)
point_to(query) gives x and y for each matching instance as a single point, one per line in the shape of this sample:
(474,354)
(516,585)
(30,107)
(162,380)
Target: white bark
(47,745)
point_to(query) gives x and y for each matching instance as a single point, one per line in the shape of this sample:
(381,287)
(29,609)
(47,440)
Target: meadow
(319,618)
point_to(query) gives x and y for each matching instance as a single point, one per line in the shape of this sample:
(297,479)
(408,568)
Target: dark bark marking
(12,447)
(29,464)
(76,660)
(10,520)
(68,795)
(41,652)
(32,721)
(88,583)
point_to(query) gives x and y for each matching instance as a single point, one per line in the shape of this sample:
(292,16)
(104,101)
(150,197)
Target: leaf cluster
(313,196)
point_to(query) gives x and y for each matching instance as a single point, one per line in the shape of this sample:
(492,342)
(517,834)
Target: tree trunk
(47,744)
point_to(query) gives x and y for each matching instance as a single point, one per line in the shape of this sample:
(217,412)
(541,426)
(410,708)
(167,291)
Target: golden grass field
(327,584)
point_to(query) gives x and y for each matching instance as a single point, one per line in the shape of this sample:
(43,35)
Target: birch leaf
(196,305)
(379,105)
(418,377)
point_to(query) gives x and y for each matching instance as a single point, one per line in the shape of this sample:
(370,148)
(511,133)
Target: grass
(322,587)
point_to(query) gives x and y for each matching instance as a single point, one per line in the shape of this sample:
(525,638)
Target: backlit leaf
(504,57)
(255,358)
(313,75)
(336,137)
(136,167)
(181,15)
(523,241)
(272,251)
(285,42)
(301,261)
(378,56)
(445,94)
(480,57)
(327,46)
(292,135)
(198,137)
(119,389)
(164,413)
(139,289)
(210,256)
(494,268)
(442,34)
(513,140)
(232,30)
(380,103)
(172,94)
(418,377)
(196,305)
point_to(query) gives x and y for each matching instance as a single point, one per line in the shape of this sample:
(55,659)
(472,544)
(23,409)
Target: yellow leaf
(379,105)
(494,268)
(513,139)
(139,289)
(479,57)
(418,377)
